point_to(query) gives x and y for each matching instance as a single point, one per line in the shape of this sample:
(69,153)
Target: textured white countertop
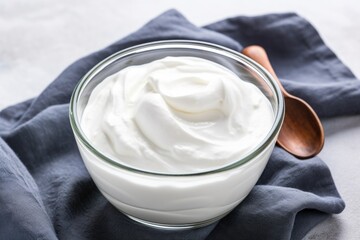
(39,38)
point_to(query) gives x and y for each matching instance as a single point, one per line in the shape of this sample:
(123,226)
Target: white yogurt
(176,115)
(175,201)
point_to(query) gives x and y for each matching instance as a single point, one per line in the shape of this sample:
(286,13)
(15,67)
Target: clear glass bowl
(176,200)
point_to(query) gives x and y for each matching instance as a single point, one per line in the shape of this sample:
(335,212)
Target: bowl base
(177,226)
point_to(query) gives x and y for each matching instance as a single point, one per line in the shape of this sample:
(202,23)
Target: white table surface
(39,38)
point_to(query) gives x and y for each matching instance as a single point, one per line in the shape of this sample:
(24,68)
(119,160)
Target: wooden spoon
(301,133)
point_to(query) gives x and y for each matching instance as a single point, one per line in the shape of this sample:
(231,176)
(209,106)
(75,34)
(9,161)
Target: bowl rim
(184,44)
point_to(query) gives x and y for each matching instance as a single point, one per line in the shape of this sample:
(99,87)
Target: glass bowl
(176,201)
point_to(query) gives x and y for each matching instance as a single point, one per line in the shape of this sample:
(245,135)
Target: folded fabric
(46,192)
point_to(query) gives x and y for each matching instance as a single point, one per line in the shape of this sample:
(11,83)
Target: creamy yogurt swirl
(176,115)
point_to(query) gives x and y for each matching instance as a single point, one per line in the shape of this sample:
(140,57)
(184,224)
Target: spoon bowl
(301,133)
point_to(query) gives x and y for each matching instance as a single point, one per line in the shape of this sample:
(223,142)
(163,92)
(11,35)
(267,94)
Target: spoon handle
(259,55)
